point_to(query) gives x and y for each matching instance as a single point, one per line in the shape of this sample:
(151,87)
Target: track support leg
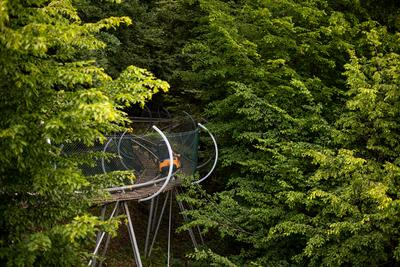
(149,225)
(131,232)
(169,228)
(191,233)
(159,222)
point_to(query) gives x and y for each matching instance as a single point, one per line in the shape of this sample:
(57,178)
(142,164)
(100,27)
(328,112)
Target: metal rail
(216,155)
(103,166)
(171,166)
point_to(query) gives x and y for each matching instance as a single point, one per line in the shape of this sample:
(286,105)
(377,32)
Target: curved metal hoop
(216,155)
(205,163)
(134,141)
(119,150)
(191,118)
(171,166)
(103,166)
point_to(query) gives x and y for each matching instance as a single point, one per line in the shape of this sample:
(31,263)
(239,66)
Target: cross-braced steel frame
(155,217)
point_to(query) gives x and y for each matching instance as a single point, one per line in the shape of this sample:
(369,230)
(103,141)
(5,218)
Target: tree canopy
(53,93)
(305,101)
(303,97)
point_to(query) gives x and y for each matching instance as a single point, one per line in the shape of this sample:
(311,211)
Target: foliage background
(302,95)
(52,93)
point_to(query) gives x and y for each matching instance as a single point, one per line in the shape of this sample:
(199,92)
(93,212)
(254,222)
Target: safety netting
(143,150)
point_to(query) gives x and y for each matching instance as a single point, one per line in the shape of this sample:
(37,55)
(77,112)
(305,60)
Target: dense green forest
(303,97)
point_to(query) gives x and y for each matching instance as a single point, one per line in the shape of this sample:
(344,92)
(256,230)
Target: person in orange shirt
(164,164)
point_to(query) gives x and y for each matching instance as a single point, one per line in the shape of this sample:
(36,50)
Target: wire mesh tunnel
(145,153)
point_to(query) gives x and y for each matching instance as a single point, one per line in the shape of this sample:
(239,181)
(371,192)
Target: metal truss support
(132,236)
(159,222)
(100,236)
(169,228)
(154,223)
(107,242)
(191,233)
(149,226)
(102,215)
